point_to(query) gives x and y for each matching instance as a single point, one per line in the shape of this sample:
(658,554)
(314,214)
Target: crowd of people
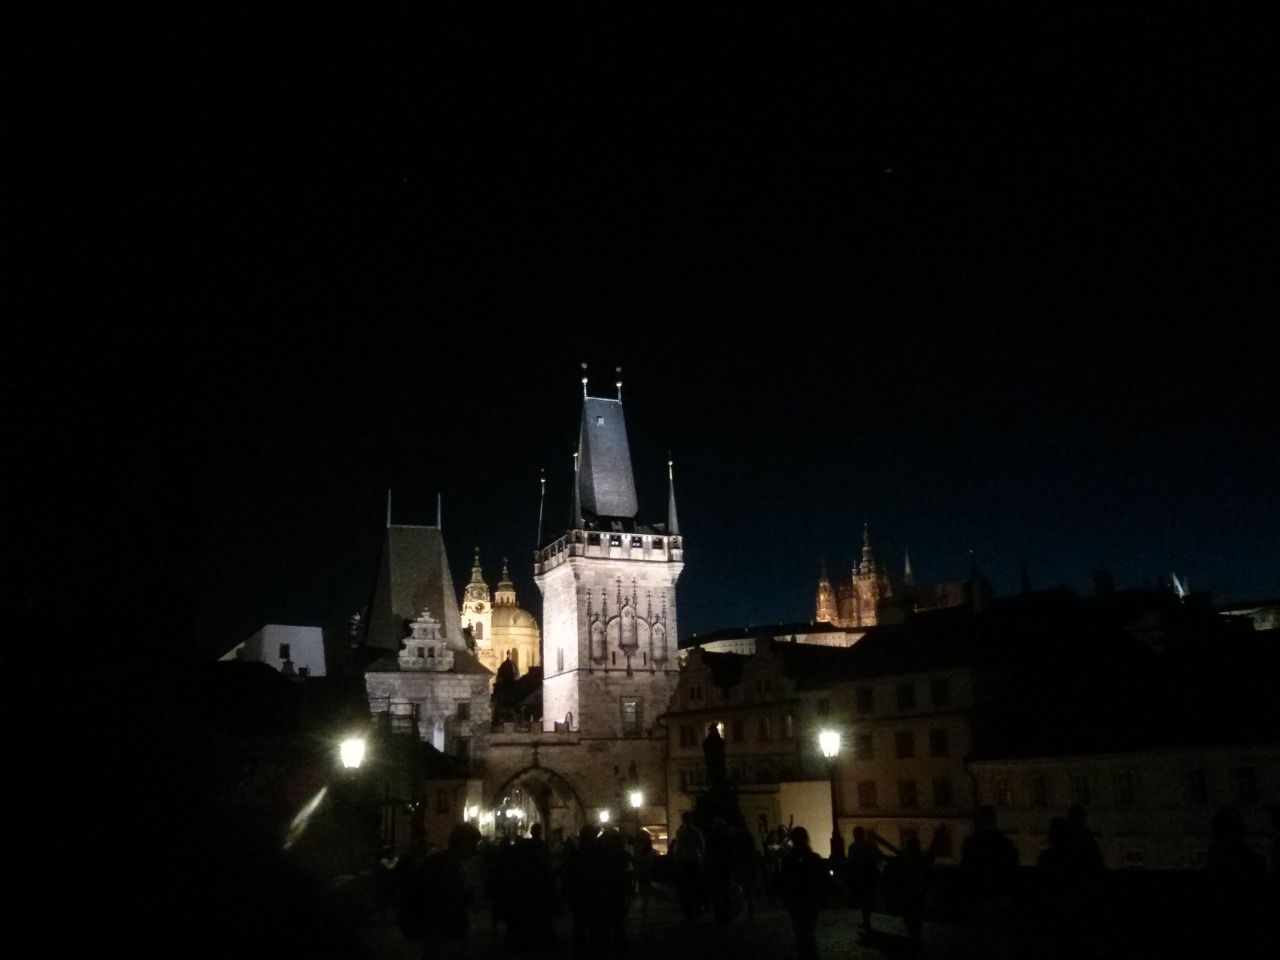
(719,871)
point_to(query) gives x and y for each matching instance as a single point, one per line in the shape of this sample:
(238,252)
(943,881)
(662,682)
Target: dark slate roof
(605,483)
(413,575)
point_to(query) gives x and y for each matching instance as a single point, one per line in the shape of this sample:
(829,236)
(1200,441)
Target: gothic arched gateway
(543,796)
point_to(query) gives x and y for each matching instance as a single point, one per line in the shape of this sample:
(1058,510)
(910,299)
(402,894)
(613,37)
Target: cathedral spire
(477,574)
(673,524)
(868,555)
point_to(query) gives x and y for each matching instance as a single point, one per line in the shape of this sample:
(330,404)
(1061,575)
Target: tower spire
(542,500)
(577,496)
(584,381)
(908,575)
(477,575)
(618,384)
(673,524)
(868,555)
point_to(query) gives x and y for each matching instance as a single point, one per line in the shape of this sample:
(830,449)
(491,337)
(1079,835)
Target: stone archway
(548,797)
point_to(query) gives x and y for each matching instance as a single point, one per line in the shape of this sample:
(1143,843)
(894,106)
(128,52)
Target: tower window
(631,715)
(615,540)
(422,652)
(464,709)
(599,421)
(284,651)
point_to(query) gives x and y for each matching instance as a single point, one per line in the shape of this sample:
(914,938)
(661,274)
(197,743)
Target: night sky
(1007,286)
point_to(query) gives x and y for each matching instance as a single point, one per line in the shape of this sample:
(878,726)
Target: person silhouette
(863,871)
(803,889)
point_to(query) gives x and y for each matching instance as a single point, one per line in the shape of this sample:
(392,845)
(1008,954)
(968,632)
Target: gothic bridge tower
(609,597)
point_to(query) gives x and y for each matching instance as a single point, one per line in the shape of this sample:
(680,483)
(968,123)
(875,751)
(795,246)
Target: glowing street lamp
(829,742)
(636,798)
(604,816)
(352,752)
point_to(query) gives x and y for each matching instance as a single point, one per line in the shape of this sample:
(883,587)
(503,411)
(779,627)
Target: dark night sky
(1007,286)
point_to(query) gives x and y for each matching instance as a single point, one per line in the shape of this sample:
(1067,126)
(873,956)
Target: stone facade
(430,689)
(1147,808)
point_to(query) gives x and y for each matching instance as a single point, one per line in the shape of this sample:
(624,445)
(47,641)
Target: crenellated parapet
(638,547)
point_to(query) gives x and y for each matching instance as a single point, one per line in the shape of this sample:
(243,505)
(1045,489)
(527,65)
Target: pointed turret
(504,594)
(476,589)
(673,524)
(868,555)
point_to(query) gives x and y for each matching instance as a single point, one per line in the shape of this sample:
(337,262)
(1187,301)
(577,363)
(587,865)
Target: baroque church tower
(609,598)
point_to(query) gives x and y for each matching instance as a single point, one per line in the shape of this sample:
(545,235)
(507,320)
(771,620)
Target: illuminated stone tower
(609,598)
(477,613)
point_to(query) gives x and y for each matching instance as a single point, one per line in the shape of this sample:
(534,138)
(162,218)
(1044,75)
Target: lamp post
(636,799)
(829,742)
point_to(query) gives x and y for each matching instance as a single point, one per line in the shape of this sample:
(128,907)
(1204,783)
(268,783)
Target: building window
(1197,787)
(1125,789)
(939,743)
(1244,785)
(940,691)
(637,542)
(1080,792)
(1039,790)
(431,652)
(866,699)
(422,652)
(615,540)
(735,730)
(942,795)
(788,726)
(615,658)
(766,728)
(284,651)
(904,743)
(630,714)
(479,630)
(464,709)
(863,748)
(559,659)
(824,708)
(867,793)
(1003,792)
(687,736)
(906,696)
(908,794)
